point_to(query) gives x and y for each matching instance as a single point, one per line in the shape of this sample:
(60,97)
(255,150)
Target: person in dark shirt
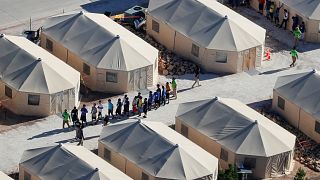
(83,116)
(74,115)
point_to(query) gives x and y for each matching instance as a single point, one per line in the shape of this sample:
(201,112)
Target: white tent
(238,128)
(307,8)
(27,68)
(3,176)
(208,23)
(297,98)
(158,150)
(103,44)
(66,162)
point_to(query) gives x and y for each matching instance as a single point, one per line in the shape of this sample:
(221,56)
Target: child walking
(294,56)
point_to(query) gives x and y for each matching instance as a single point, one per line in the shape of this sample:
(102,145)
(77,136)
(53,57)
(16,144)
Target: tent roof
(236,126)
(21,69)
(159,150)
(302,89)
(208,23)
(100,41)
(308,8)
(3,176)
(68,162)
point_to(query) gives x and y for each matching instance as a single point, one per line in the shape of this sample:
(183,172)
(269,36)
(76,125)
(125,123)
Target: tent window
(8,92)
(27,176)
(195,50)
(221,57)
(144,176)
(49,45)
(107,154)
(184,130)
(224,155)
(249,163)
(317,127)
(86,69)
(281,103)
(33,100)
(155,26)
(111,77)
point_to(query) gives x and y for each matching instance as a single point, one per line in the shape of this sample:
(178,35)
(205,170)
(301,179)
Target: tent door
(249,59)
(136,79)
(252,57)
(246,60)
(143,78)
(65,100)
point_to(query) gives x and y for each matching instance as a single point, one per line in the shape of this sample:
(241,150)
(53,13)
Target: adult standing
(174,87)
(295,22)
(145,107)
(302,28)
(140,105)
(126,106)
(163,96)
(100,108)
(261,6)
(94,111)
(294,56)
(66,118)
(168,92)
(159,95)
(271,11)
(74,115)
(196,76)
(285,19)
(83,116)
(110,108)
(268,4)
(80,135)
(118,109)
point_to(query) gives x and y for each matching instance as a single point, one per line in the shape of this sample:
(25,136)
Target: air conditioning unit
(136,12)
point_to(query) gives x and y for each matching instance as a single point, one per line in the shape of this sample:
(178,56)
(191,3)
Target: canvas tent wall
(307,11)
(32,82)
(109,57)
(3,176)
(151,150)
(207,33)
(297,98)
(237,134)
(66,162)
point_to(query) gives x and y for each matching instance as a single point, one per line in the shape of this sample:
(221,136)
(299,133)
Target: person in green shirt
(66,118)
(174,87)
(294,56)
(297,35)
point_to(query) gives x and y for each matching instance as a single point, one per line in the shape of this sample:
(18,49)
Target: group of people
(298,29)
(138,104)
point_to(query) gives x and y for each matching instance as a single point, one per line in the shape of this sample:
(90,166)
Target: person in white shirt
(285,19)
(100,108)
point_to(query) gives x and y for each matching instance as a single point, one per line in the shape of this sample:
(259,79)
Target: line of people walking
(139,106)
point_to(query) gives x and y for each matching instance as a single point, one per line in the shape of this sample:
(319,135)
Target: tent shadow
(261,104)
(73,140)
(112,6)
(50,133)
(8,118)
(274,71)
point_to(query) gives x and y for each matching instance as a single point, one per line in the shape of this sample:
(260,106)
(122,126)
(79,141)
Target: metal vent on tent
(117,36)
(81,12)
(226,17)
(216,98)
(177,145)
(96,169)
(256,121)
(1,35)
(314,70)
(39,59)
